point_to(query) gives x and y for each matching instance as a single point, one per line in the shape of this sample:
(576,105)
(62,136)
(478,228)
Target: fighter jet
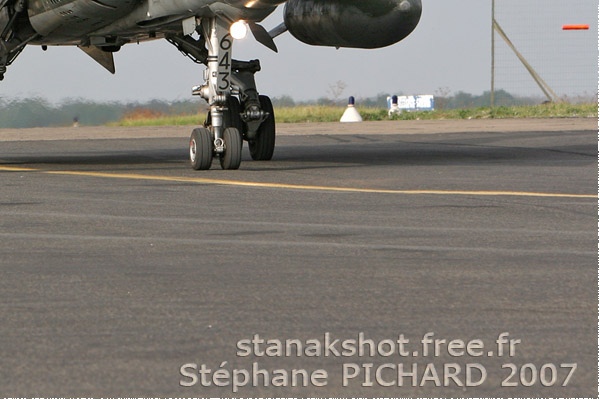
(205,31)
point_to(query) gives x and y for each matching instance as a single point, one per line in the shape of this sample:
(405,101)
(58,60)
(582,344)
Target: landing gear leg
(12,43)
(237,111)
(216,90)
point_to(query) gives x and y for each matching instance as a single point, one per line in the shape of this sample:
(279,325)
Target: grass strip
(302,114)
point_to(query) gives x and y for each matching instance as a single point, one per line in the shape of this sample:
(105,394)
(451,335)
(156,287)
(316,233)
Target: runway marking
(267,185)
(18,169)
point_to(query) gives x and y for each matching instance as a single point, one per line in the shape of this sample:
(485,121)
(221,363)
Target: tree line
(39,112)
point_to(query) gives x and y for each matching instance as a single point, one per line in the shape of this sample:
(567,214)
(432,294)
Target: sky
(448,51)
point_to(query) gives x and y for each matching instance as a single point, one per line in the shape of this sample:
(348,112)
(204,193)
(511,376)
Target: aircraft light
(239,29)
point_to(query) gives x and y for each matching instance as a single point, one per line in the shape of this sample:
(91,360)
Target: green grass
(172,120)
(302,114)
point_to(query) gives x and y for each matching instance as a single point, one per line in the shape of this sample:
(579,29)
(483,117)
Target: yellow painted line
(489,193)
(318,188)
(17,169)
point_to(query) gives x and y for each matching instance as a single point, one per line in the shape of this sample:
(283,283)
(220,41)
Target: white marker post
(351,114)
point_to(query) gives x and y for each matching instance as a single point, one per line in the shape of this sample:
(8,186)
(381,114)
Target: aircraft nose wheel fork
(219,146)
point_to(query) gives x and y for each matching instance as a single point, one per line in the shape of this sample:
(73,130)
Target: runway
(121,264)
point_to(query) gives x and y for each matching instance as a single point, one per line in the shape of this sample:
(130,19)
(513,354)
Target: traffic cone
(351,114)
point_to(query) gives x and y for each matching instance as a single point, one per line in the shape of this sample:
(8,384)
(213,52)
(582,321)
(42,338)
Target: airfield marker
(351,114)
(576,27)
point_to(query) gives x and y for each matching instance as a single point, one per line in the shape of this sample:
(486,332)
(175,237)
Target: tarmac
(457,258)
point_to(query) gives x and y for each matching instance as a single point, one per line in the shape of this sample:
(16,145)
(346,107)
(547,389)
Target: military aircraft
(205,30)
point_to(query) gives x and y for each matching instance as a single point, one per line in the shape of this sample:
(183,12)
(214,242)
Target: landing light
(239,29)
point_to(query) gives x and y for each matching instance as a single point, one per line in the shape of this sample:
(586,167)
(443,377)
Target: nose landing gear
(237,112)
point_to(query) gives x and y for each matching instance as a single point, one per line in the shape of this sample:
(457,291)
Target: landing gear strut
(12,43)
(237,112)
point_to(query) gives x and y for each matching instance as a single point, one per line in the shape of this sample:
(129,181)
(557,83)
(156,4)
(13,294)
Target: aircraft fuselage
(77,21)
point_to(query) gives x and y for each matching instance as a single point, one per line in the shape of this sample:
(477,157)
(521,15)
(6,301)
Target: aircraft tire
(263,146)
(232,157)
(201,149)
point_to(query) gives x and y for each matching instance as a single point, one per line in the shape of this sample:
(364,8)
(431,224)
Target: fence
(534,57)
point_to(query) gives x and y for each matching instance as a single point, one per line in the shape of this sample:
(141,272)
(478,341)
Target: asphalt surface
(120,265)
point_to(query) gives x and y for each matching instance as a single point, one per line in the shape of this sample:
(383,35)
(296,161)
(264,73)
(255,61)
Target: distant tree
(379,101)
(336,90)
(283,101)
(322,101)
(441,97)
(461,100)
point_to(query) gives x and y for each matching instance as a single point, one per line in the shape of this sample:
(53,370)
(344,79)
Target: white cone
(351,114)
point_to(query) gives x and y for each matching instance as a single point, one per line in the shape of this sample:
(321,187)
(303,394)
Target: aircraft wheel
(263,146)
(232,157)
(201,149)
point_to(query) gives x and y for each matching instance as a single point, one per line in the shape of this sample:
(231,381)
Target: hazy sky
(449,49)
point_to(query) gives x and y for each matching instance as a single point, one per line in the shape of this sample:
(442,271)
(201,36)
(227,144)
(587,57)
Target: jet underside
(203,31)
(91,22)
